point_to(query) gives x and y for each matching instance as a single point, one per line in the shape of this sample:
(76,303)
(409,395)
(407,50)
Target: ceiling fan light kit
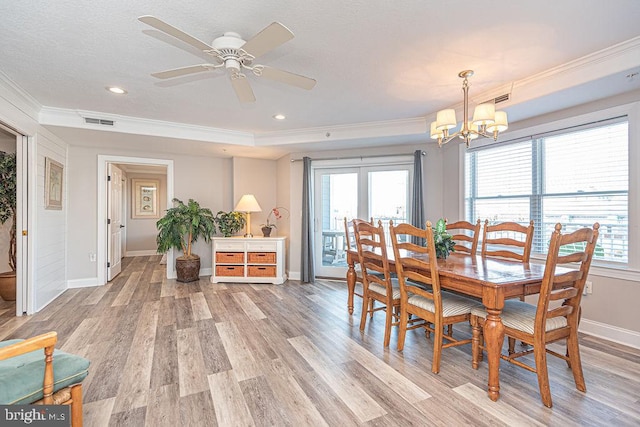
(235,55)
(486,122)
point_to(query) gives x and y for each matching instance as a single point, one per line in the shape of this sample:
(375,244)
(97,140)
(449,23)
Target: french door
(380,192)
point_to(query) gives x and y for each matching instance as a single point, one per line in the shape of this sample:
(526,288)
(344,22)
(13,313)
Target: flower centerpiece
(443,241)
(275,214)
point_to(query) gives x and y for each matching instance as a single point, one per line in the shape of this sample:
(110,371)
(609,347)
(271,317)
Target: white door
(114,221)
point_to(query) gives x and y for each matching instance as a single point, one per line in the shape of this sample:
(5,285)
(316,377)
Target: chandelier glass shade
(486,121)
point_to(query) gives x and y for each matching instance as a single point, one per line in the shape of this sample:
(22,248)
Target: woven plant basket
(188,269)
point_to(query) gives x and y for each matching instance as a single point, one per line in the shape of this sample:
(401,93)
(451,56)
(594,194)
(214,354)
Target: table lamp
(248,204)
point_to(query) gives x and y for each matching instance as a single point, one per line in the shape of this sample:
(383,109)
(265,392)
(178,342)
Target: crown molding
(388,128)
(18,97)
(51,116)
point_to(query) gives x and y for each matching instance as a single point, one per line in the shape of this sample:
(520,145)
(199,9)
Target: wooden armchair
(29,376)
(420,294)
(464,231)
(547,322)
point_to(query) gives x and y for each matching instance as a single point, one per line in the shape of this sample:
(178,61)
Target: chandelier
(486,123)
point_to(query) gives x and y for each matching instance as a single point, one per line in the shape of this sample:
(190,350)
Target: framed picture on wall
(53,184)
(145,198)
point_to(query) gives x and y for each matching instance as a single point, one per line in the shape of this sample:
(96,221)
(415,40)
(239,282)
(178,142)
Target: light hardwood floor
(165,353)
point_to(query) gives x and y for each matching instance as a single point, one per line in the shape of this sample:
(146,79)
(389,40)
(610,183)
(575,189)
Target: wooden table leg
(494,337)
(351,282)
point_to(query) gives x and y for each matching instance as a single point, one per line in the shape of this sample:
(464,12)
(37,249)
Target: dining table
(491,280)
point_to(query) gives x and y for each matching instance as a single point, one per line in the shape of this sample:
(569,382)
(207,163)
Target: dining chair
(48,377)
(378,284)
(420,294)
(557,313)
(350,245)
(507,240)
(465,235)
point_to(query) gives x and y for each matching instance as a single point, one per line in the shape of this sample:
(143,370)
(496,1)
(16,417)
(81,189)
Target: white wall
(257,177)
(205,179)
(51,238)
(141,232)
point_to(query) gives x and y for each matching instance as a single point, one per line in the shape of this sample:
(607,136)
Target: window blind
(575,177)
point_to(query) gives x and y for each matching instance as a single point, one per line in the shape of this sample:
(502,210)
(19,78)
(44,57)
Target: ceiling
(382,68)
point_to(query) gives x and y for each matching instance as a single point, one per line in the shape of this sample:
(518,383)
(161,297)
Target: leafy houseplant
(443,242)
(229,223)
(179,228)
(8,181)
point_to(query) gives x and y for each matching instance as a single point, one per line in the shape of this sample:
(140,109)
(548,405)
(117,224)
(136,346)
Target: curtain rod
(361,157)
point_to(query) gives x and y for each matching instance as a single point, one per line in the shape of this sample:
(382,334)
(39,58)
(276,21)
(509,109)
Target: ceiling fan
(236,56)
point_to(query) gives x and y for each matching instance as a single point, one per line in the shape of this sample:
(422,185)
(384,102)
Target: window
(575,177)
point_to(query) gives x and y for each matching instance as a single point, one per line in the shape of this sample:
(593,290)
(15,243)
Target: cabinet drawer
(229,257)
(260,271)
(229,245)
(261,257)
(262,246)
(230,270)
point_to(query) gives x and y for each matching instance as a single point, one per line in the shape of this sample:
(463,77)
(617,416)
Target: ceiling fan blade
(287,77)
(183,71)
(242,88)
(173,31)
(268,39)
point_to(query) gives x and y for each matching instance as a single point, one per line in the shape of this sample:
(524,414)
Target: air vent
(498,99)
(94,121)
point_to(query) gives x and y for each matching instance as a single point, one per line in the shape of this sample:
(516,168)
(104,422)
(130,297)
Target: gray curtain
(417,209)
(306,264)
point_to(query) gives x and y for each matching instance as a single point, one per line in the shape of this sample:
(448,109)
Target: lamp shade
(248,203)
(446,119)
(500,124)
(484,114)
(435,133)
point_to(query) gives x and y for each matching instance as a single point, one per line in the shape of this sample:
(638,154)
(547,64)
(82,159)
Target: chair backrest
(573,248)
(472,236)
(372,252)
(504,236)
(349,236)
(411,258)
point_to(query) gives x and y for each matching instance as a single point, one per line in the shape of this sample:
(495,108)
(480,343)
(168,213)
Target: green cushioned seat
(21,376)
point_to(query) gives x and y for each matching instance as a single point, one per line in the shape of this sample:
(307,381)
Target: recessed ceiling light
(116,90)
(279,117)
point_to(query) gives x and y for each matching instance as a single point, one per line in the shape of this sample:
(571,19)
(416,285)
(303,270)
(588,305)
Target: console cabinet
(248,260)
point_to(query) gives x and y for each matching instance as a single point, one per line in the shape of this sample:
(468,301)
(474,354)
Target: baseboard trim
(82,283)
(141,253)
(611,333)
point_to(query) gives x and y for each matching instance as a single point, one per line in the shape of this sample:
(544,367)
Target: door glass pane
(388,192)
(339,200)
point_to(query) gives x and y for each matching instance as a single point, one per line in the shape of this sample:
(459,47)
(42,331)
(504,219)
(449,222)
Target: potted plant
(229,223)
(443,241)
(178,229)
(274,215)
(8,181)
